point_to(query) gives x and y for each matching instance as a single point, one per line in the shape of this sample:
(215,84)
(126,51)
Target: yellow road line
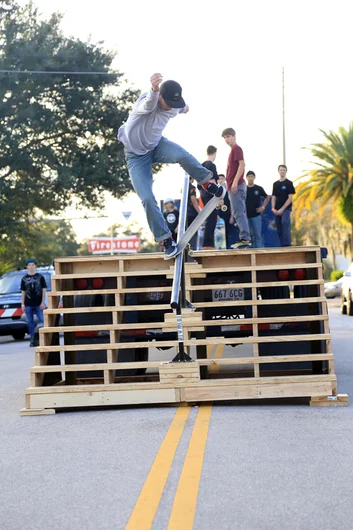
(184,507)
(218,355)
(147,504)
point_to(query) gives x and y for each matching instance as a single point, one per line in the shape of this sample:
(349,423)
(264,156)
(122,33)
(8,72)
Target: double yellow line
(184,507)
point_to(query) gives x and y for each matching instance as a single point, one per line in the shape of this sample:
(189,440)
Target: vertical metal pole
(283,122)
(178,288)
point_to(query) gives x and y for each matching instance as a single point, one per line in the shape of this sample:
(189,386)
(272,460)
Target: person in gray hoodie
(144,146)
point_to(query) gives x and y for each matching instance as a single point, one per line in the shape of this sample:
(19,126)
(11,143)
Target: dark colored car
(12,319)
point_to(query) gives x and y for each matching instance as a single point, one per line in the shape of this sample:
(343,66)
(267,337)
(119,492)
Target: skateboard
(195,225)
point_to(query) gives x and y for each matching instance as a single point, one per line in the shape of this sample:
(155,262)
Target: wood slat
(200,362)
(132,290)
(192,342)
(190,272)
(157,307)
(187,323)
(209,287)
(73,389)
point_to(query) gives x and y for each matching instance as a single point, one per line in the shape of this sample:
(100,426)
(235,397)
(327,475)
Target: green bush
(336,275)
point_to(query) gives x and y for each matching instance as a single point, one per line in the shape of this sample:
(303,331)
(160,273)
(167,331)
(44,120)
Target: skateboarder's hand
(234,188)
(156,80)
(186,110)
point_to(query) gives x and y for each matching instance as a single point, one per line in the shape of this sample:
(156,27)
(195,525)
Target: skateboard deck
(195,225)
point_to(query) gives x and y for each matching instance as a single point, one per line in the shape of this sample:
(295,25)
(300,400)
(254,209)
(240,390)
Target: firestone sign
(107,245)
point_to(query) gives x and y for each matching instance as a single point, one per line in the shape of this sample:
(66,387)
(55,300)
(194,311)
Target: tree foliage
(58,132)
(330,183)
(41,240)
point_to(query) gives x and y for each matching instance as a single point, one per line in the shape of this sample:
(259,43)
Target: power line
(41,72)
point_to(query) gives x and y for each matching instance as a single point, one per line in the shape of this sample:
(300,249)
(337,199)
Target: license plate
(218,295)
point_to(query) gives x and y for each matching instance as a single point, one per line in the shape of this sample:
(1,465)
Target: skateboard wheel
(224,208)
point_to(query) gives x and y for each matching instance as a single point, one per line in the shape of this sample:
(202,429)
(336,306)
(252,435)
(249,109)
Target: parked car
(347,293)
(333,289)
(12,319)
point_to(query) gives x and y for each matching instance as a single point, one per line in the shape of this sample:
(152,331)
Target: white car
(333,289)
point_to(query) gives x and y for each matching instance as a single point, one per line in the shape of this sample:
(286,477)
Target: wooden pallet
(136,294)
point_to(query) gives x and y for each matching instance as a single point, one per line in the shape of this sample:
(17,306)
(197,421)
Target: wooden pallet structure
(281,314)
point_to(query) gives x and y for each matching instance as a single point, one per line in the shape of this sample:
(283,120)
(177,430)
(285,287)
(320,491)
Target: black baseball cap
(171,93)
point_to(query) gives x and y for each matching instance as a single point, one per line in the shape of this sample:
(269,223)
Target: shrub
(336,275)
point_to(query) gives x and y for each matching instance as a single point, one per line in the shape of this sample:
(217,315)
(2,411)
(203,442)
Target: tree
(321,226)
(331,182)
(58,131)
(41,240)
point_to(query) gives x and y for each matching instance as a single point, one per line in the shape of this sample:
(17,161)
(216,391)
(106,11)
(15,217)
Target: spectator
(192,211)
(282,194)
(211,221)
(33,290)
(254,209)
(232,234)
(171,215)
(236,187)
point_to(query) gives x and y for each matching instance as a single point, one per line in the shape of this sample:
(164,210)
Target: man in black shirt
(254,209)
(193,210)
(210,225)
(171,215)
(282,193)
(33,290)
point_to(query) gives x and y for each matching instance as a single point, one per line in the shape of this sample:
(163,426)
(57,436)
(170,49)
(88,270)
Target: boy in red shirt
(237,188)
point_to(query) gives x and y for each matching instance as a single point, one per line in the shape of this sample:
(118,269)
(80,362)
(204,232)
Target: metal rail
(175,301)
(178,299)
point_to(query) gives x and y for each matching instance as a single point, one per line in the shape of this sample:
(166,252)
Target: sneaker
(31,344)
(242,243)
(170,247)
(214,189)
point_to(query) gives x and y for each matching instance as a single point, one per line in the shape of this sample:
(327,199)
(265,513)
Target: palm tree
(331,182)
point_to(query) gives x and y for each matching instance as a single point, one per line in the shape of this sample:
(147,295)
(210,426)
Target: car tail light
(97,283)
(283,275)
(300,274)
(82,284)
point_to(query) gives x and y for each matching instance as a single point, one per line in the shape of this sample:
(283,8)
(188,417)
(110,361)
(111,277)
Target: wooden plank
(97,398)
(157,307)
(132,290)
(205,270)
(157,325)
(209,287)
(200,362)
(36,412)
(206,382)
(188,342)
(158,255)
(339,400)
(220,393)
(255,328)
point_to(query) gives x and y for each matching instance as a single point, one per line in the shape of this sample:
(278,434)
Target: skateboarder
(145,146)
(237,187)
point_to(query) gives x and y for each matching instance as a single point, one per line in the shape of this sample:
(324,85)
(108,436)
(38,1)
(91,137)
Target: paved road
(263,467)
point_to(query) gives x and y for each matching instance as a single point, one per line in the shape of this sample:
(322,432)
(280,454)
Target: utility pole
(283,122)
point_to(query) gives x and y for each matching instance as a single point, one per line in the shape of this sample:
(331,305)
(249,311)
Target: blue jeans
(255,225)
(140,171)
(283,228)
(238,204)
(30,312)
